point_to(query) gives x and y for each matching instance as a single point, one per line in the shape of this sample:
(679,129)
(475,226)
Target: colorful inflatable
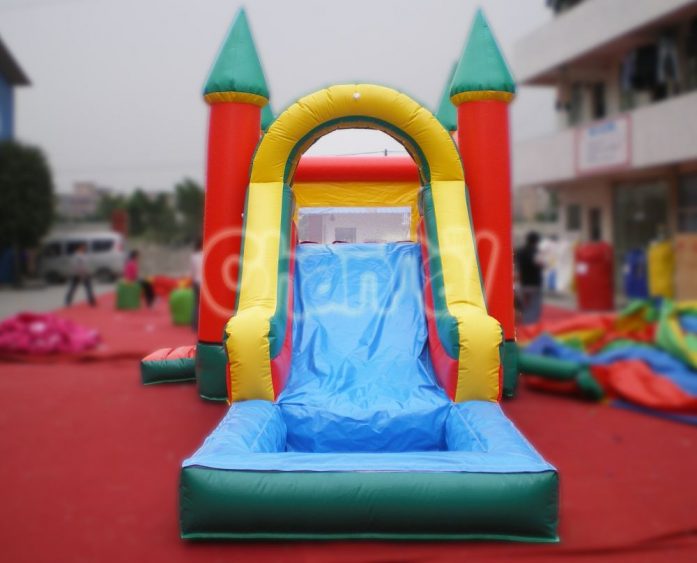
(661,269)
(38,334)
(645,357)
(169,365)
(364,377)
(236,89)
(128,295)
(163,286)
(181,305)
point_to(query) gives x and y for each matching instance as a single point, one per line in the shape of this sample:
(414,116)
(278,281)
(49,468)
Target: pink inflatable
(44,333)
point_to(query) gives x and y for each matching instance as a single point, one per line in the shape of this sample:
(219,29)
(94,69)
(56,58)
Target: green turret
(237,75)
(482,73)
(446,114)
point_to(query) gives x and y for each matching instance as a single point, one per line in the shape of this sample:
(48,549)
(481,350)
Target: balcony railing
(656,135)
(589,29)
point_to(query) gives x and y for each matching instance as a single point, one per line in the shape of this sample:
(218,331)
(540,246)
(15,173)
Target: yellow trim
(457,245)
(239,97)
(479,360)
(349,100)
(463,97)
(480,334)
(248,331)
(359,194)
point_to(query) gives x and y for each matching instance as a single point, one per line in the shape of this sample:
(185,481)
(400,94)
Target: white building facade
(623,161)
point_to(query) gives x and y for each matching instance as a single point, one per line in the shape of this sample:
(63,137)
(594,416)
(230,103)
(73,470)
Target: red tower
(481,90)
(236,91)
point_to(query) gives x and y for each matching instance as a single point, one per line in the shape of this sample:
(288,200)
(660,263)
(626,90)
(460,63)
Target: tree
(162,223)
(138,208)
(189,203)
(152,217)
(108,204)
(26,196)
(161,217)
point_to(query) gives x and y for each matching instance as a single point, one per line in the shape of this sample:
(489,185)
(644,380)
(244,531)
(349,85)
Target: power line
(384,152)
(184,164)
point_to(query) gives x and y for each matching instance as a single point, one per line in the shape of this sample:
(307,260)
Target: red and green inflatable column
(236,91)
(481,90)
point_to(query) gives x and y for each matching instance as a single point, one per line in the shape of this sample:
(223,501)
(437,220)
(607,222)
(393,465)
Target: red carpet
(90,464)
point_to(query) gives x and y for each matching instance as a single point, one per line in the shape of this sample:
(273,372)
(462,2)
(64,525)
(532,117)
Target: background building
(11,75)
(82,202)
(623,161)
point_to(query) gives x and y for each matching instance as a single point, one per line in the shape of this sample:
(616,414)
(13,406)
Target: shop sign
(603,146)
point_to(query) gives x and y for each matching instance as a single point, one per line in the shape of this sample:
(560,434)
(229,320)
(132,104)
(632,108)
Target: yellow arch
(254,333)
(351,106)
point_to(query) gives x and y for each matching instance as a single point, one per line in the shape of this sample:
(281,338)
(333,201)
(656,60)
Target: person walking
(530,265)
(196,280)
(81,274)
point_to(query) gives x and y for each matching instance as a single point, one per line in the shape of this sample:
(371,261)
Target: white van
(106,255)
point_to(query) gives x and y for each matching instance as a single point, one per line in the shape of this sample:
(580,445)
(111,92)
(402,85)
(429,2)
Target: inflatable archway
(363,371)
(474,106)
(465,339)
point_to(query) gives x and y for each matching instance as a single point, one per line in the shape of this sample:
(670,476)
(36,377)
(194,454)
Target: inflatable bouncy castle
(364,375)
(643,357)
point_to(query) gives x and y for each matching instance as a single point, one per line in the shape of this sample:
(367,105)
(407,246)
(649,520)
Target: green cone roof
(482,66)
(447,114)
(267,117)
(237,67)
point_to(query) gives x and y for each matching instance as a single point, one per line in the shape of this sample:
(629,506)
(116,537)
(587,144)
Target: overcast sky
(116,84)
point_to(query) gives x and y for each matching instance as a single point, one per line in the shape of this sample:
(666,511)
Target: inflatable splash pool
(363,441)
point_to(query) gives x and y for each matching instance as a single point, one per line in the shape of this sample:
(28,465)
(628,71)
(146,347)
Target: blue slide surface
(361,379)
(362,395)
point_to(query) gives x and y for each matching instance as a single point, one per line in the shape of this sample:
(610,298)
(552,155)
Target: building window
(595,227)
(599,109)
(691,55)
(640,214)
(627,101)
(576,104)
(573,217)
(626,80)
(687,204)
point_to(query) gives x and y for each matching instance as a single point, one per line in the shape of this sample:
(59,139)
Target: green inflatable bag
(127,295)
(181,305)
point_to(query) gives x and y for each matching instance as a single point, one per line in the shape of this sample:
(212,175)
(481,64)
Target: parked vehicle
(106,255)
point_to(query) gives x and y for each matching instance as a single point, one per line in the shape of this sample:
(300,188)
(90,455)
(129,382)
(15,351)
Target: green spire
(482,72)
(267,117)
(237,74)
(447,114)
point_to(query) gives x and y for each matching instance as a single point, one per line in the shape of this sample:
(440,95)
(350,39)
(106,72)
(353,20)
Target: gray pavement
(47,298)
(563,300)
(41,299)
